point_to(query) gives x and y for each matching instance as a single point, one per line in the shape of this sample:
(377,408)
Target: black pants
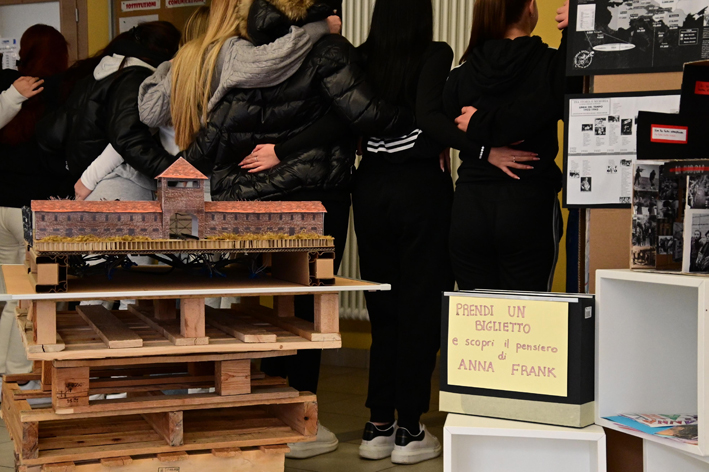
(303,369)
(505,236)
(402,215)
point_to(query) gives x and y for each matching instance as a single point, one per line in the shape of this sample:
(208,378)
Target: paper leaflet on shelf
(660,421)
(687,434)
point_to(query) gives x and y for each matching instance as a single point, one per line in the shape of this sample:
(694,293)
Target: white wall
(15,19)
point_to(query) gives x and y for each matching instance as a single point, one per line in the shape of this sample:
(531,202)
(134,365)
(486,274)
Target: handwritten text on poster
(511,345)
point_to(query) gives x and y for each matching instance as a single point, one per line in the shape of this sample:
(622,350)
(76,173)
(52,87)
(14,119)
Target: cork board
(126,13)
(609,230)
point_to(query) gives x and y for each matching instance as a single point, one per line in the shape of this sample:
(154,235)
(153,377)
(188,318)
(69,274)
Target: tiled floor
(7,455)
(341,402)
(341,397)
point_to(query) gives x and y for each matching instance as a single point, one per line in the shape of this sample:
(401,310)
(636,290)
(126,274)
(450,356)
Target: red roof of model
(71,206)
(182,170)
(264,207)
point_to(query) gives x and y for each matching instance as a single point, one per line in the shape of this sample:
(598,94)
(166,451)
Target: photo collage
(658,215)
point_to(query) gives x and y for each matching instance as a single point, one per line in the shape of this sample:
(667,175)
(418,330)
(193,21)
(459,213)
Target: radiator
(452,20)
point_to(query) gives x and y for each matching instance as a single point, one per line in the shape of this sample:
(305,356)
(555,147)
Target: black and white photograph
(586,127)
(669,189)
(678,232)
(614,119)
(698,192)
(626,162)
(612,169)
(644,231)
(626,127)
(600,127)
(643,257)
(645,204)
(665,245)
(667,209)
(699,243)
(586,184)
(574,174)
(646,177)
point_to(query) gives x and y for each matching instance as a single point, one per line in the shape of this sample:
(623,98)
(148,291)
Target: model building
(180,190)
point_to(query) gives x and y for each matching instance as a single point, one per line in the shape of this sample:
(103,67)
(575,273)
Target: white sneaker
(325,442)
(377,443)
(410,449)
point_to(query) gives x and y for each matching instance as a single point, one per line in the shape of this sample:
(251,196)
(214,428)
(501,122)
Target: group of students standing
(269,100)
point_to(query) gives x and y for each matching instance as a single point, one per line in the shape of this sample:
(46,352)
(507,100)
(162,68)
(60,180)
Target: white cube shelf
(476,444)
(658,458)
(651,349)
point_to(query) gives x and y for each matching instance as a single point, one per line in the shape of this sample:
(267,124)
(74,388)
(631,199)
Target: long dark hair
(153,42)
(491,18)
(43,53)
(401,32)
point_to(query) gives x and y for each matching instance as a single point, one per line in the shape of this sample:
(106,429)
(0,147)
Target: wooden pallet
(158,328)
(47,438)
(68,385)
(250,459)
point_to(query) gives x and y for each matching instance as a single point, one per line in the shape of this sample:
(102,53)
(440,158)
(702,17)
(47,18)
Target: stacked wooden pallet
(189,396)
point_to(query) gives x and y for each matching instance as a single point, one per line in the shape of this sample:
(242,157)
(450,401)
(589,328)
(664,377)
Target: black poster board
(635,36)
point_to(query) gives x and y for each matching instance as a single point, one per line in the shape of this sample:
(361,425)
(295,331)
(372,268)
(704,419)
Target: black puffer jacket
(99,113)
(330,78)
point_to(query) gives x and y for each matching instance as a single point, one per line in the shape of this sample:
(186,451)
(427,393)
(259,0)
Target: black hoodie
(518,87)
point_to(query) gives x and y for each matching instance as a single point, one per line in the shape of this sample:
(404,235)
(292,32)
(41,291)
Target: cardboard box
(519,355)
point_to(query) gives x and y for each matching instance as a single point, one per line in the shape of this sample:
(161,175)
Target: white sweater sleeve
(10,105)
(101,167)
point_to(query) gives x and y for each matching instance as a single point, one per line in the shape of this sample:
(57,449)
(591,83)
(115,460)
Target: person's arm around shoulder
(130,137)
(154,97)
(242,64)
(11,100)
(342,81)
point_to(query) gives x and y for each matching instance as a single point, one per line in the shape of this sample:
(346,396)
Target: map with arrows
(615,37)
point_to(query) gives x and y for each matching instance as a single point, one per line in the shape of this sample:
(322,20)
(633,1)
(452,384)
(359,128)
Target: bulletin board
(609,229)
(129,13)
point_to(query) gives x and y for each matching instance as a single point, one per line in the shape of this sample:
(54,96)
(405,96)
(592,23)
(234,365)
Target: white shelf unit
(476,444)
(658,458)
(651,349)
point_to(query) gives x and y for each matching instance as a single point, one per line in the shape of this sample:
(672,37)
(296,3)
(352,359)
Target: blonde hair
(193,69)
(196,25)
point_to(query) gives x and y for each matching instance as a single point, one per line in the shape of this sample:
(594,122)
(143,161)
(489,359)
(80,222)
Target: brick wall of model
(244,223)
(98,224)
(151,224)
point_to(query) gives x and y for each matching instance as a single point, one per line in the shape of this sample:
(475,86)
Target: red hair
(43,52)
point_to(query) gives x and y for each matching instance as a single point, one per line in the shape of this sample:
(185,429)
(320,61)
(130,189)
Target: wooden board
(129,286)
(243,329)
(262,459)
(81,342)
(168,327)
(294,325)
(109,328)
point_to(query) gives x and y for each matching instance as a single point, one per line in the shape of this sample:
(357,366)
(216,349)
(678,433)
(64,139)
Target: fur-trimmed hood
(291,11)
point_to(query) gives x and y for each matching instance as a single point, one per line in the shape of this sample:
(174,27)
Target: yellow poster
(512,345)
